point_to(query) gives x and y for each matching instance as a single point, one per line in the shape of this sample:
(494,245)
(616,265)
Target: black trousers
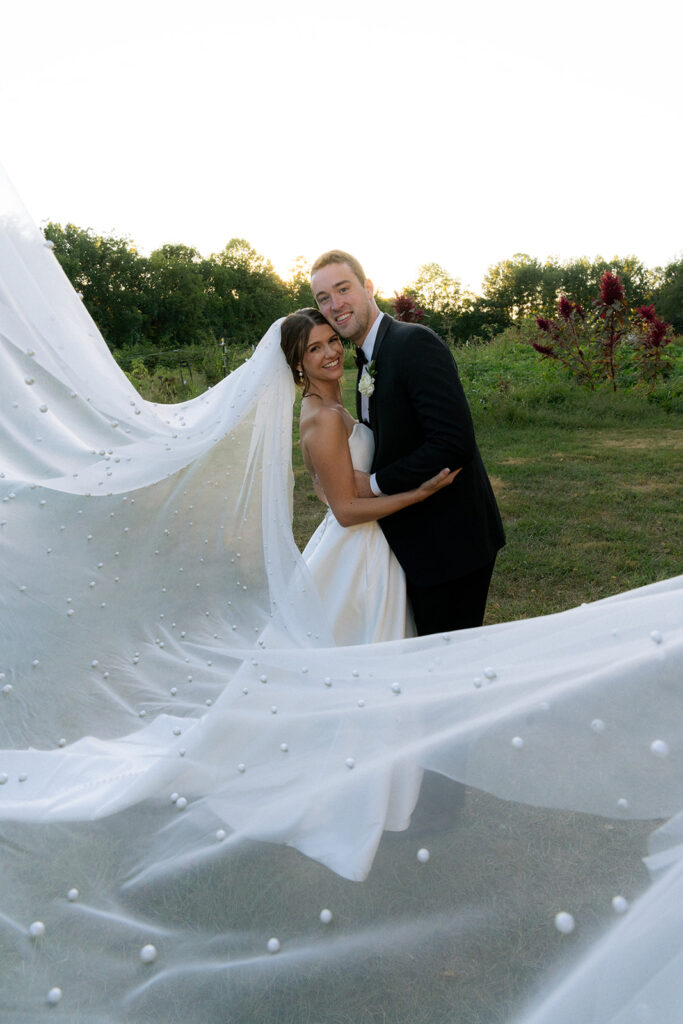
(456,604)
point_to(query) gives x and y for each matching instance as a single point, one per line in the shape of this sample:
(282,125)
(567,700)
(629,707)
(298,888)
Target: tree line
(175,297)
(523,287)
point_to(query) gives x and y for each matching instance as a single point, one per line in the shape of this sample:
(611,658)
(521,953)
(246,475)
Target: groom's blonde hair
(339,256)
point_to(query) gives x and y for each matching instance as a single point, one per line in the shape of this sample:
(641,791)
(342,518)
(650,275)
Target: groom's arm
(429,383)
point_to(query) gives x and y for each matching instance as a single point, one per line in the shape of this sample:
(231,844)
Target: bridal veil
(207,810)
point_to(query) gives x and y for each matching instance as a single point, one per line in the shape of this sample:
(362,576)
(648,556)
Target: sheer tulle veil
(207,810)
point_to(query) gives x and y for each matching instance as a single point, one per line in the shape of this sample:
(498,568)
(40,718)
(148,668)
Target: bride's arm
(326,446)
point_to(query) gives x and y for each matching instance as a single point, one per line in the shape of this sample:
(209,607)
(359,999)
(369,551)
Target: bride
(360,582)
(205,789)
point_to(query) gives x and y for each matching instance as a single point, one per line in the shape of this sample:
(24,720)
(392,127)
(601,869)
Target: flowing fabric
(207,807)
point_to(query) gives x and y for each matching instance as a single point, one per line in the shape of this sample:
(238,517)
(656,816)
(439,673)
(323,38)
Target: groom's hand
(363,484)
(318,488)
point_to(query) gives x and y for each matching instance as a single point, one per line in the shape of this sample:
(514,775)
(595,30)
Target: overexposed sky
(430,131)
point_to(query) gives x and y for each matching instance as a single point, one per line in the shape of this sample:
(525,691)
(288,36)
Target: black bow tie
(361,358)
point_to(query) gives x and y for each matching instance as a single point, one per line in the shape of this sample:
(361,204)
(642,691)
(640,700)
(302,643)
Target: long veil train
(205,806)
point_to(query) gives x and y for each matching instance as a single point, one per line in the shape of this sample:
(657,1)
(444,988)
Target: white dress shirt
(368,348)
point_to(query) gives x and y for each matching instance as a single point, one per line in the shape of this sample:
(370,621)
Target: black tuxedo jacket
(421,422)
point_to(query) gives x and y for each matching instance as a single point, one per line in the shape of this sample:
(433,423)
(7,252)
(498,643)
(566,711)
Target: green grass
(589,484)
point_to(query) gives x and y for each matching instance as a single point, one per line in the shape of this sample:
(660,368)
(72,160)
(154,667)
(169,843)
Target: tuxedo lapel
(384,326)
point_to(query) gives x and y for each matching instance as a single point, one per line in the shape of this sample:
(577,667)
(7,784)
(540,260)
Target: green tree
(110,276)
(299,284)
(669,295)
(176,297)
(476,320)
(638,281)
(581,279)
(514,289)
(521,287)
(247,293)
(439,295)
(551,285)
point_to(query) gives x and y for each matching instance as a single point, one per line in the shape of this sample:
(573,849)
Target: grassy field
(588,483)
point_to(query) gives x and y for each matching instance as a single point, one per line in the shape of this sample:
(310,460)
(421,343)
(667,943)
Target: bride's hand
(436,483)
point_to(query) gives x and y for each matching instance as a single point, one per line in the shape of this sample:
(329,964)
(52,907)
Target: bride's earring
(301,376)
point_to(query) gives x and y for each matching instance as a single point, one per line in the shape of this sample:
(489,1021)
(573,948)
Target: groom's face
(346,304)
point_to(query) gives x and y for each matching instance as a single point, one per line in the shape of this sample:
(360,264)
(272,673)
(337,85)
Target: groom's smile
(346,303)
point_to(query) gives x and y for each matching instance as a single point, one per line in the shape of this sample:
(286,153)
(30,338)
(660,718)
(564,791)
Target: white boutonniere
(366,384)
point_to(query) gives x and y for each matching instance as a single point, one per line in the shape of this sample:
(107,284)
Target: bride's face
(324,356)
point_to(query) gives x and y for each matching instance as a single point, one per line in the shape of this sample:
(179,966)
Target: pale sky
(406,133)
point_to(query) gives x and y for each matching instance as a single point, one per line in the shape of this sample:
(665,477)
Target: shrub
(405,309)
(590,345)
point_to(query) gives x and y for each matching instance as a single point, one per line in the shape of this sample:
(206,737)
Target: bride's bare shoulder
(319,417)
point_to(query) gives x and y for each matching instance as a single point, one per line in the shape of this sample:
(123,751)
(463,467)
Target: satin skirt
(360,582)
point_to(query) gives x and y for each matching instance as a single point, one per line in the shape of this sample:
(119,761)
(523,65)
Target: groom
(416,407)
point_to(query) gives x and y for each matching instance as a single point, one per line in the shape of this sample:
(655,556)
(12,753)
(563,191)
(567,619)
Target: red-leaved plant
(654,334)
(405,309)
(587,345)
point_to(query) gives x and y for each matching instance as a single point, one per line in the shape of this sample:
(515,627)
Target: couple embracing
(410,464)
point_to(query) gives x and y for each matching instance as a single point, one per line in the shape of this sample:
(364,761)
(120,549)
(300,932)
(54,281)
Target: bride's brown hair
(294,334)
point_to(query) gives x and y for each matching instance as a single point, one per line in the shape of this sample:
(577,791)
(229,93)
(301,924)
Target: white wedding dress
(200,775)
(360,582)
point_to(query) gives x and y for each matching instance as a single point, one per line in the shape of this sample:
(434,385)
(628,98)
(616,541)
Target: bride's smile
(323,359)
